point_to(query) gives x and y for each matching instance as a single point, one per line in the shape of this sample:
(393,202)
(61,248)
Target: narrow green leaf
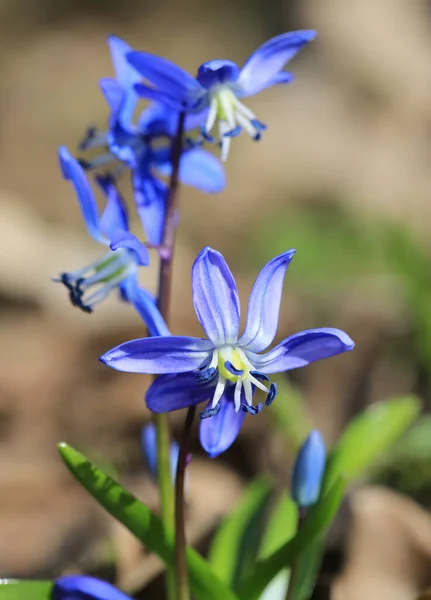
(236,543)
(17,589)
(143,523)
(307,570)
(281,527)
(369,435)
(318,520)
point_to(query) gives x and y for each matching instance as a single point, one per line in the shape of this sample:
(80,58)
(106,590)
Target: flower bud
(149,446)
(308,470)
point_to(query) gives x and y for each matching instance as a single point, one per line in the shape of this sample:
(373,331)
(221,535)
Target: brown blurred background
(342,174)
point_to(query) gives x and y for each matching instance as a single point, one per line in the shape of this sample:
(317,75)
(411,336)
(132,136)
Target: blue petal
(302,349)
(167,77)
(115,214)
(217,72)
(144,91)
(173,392)
(157,355)
(126,75)
(83,587)
(113,92)
(264,304)
(73,172)
(146,306)
(308,470)
(125,239)
(215,297)
(264,64)
(150,199)
(218,433)
(198,168)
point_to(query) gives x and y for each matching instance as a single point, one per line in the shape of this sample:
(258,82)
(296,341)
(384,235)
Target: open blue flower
(220,84)
(116,269)
(225,368)
(84,587)
(144,146)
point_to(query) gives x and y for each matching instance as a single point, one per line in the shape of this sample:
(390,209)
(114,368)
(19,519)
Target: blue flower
(308,470)
(145,146)
(84,587)
(149,446)
(225,368)
(116,269)
(220,84)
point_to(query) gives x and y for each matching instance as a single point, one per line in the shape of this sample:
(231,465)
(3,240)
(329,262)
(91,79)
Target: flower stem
(302,515)
(164,293)
(180,533)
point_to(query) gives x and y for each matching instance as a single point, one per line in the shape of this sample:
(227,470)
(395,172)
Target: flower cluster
(224,369)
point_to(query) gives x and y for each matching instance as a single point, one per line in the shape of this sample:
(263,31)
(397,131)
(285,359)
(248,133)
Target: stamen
(234,132)
(237,395)
(229,367)
(248,391)
(272,394)
(260,376)
(206,135)
(98,161)
(206,375)
(246,124)
(211,118)
(221,383)
(210,412)
(252,410)
(257,137)
(258,124)
(93,137)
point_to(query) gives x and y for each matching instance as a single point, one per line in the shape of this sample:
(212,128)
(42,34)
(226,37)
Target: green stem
(165,282)
(182,579)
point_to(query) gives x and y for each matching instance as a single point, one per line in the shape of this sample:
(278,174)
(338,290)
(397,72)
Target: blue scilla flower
(225,368)
(117,268)
(219,86)
(84,587)
(308,470)
(149,446)
(144,146)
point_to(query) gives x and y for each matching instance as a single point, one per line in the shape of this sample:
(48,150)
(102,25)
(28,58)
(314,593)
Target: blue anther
(85,164)
(259,376)
(207,136)
(233,132)
(90,134)
(229,367)
(190,143)
(271,395)
(205,375)
(258,124)
(210,412)
(252,410)
(257,137)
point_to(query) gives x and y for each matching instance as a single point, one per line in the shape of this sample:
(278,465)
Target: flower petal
(199,169)
(218,433)
(115,214)
(146,306)
(150,199)
(173,392)
(72,171)
(126,75)
(125,239)
(113,92)
(84,587)
(264,64)
(264,304)
(215,297)
(149,447)
(302,349)
(145,91)
(170,354)
(167,76)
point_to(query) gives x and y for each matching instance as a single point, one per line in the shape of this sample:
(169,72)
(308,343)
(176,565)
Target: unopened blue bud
(84,587)
(149,446)
(308,470)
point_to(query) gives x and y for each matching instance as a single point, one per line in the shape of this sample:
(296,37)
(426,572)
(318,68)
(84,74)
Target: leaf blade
(17,589)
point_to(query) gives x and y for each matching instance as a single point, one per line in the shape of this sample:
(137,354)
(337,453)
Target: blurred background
(343,174)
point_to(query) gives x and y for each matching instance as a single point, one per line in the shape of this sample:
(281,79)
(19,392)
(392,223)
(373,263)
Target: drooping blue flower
(149,446)
(144,145)
(84,587)
(220,84)
(117,268)
(308,470)
(225,368)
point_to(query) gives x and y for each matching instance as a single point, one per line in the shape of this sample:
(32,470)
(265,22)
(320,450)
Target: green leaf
(307,570)
(16,589)
(369,435)
(319,518)
(143,523)
(281,527)
(236,543)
